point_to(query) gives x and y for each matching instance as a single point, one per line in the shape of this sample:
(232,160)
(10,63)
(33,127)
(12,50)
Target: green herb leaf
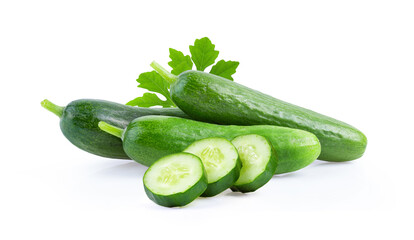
(179,62)
(149,100)
(153,82)
(225,69)
(203,53)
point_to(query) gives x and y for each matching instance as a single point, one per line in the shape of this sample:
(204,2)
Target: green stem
(106,127)
(163,72)
(58,110)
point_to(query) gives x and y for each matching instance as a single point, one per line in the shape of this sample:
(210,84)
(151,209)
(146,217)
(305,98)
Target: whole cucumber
(79,123)
(210,98)
(149,138)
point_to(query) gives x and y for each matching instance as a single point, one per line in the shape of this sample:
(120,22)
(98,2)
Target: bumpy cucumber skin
(263,178)
(225,182)
(149,138)
(182,198)
(211,98)
(79,124)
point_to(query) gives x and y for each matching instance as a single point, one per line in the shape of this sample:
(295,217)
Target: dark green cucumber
(210,98)
(79,123)
(149,138)
(221,161)
(175,180)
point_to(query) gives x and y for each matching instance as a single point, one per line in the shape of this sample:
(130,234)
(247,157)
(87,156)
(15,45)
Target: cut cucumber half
(259,162)
(221,161)
(175,180)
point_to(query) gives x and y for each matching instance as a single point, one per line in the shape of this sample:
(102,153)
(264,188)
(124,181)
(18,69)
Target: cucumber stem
(106,127)
(58,110)
(163,72)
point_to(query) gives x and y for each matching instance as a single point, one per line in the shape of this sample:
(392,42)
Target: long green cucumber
(210,98)
(79,123)
(149,138)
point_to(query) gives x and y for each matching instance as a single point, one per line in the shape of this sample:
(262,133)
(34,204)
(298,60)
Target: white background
(352,60)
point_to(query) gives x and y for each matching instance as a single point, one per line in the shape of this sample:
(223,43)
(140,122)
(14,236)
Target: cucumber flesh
(221,161)
(175,180)
(258,159)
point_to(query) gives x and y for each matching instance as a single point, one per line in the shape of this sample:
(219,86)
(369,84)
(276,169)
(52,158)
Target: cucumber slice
(175,180)
(221,161)
(259,162)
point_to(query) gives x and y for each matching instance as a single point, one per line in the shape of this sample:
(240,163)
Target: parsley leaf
(149,100)
(153,82)
(179,62)
(203,53)
(225,69)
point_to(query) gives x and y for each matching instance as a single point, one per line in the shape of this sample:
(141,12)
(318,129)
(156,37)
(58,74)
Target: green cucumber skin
(149,138)
(79,124)
(263,178)
(210,98)
(224,183)
(178,199)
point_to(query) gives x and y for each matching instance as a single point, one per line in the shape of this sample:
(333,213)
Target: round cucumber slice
(221,161)
(259,162)
(175,180)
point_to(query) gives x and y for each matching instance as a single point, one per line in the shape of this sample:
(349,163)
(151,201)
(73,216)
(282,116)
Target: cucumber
(175,180)
(221,161)
(149,138)
(79,123)
(210,98)
(259,162)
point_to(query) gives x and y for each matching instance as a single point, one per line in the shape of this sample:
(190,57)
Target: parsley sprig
(203,55)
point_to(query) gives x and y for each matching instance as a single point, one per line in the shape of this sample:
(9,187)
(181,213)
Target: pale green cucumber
(175,180)
(149,138)
(259,162)
(221,161)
